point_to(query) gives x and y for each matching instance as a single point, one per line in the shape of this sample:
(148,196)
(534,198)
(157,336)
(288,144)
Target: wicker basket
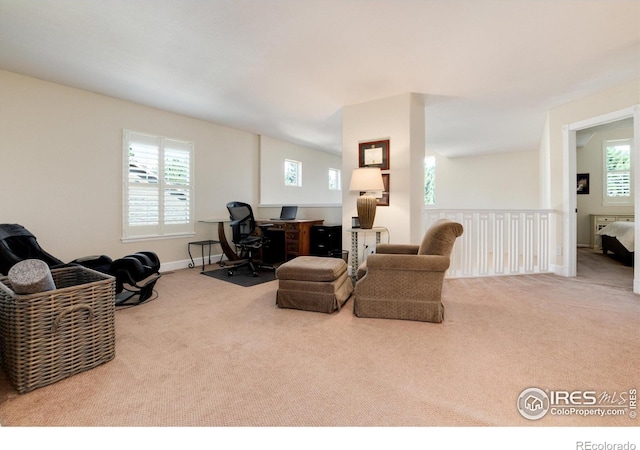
(52,335)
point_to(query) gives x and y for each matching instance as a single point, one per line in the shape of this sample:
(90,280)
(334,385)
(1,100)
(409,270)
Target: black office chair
(247,242)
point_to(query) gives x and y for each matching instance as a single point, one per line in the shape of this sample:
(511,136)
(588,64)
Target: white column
(401,120)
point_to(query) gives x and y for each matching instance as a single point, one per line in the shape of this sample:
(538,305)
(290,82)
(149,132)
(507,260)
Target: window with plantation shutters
(158,187)
(617,172)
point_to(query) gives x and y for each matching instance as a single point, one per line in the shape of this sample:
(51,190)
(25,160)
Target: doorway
(570,195)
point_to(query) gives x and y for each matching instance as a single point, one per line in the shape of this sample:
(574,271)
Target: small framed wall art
(583,183)
(374,154)
(384,201)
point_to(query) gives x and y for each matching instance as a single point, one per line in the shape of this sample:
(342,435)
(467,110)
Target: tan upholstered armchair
(404,281)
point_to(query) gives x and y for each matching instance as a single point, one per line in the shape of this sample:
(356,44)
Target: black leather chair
(17,244)
(135,274)
(246,237)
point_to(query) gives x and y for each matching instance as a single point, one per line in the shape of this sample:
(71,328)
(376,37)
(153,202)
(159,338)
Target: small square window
(292,173)
(335,183)
(429,180)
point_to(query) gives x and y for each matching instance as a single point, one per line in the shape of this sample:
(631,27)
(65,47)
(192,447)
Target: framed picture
(583,183)
(384,199)
(374,154)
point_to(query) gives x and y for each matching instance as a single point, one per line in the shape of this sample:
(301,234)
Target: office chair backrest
(242,221)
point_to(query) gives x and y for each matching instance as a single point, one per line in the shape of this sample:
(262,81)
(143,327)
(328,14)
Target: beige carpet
(209,353)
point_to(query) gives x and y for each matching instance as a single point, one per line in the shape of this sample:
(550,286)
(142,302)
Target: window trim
(161,230)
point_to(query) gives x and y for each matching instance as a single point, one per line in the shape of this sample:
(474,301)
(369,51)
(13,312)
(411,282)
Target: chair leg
(249,262)
(266,266)
(254,271)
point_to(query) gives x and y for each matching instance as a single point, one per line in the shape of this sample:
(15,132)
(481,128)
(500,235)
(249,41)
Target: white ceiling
(488,70)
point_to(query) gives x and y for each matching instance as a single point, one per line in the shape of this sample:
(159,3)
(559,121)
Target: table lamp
(368,181)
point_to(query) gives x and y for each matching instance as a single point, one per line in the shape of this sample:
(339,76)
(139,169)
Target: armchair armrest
(423,263)
(402,249)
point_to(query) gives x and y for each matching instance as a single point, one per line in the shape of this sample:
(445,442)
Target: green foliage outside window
(292,175)
(429,180)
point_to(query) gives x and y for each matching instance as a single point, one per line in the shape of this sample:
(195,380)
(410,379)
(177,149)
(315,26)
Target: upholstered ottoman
(313,283)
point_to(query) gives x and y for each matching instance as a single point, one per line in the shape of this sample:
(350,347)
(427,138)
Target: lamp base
(366,206)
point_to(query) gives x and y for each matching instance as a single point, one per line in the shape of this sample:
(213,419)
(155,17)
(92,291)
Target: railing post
(483,243)
(543,243)
(528,242)
(498,243)
(514,242)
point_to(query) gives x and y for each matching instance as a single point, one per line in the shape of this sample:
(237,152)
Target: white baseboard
(184,264)
(561,271)
(176,265)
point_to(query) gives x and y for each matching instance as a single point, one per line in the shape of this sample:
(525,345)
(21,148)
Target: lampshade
(369,181)
(366,179)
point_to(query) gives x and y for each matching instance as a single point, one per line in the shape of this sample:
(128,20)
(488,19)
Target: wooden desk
(297,235)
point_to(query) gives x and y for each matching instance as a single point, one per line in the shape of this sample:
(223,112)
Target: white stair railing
(498,242)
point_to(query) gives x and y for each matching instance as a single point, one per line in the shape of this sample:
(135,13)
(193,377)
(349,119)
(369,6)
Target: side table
(355,232)
(226,247)
(202,245)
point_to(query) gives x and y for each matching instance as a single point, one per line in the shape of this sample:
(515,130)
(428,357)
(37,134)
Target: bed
(618,238)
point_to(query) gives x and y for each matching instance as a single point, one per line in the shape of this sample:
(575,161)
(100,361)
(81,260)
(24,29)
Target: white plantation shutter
(617,172)
(177,187)
(618,184)
(158,191)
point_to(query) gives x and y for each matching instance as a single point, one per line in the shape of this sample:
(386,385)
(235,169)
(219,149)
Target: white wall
(61,168)
(494,181)
(315,171)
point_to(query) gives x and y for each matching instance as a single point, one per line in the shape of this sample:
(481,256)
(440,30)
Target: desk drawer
(292,227)
(292,236)
(292,240)
(292,247)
